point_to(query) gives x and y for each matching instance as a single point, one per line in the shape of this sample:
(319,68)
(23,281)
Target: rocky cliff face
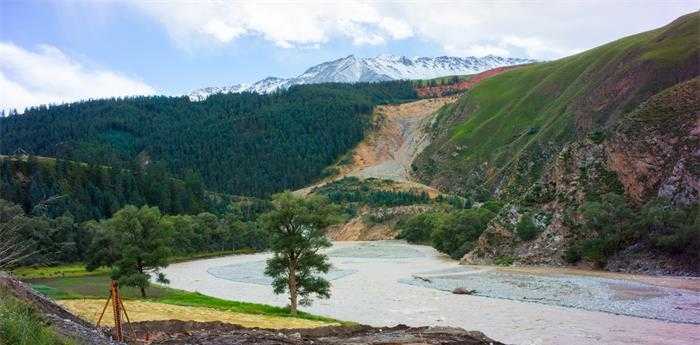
(655,150)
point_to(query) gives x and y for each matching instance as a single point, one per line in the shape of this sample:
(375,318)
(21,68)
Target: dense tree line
(451,231)
(246,144)
(64,240)
(371,192)
(54,187)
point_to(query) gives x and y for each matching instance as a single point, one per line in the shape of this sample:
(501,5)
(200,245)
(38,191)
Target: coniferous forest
(243,144)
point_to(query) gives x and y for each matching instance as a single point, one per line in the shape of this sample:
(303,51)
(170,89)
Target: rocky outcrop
(655,150)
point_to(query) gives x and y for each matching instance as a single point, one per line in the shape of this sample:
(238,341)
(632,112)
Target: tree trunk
(292,290)
(140,268)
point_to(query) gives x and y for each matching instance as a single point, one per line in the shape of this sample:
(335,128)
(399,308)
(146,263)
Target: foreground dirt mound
(175,332)
(59,318)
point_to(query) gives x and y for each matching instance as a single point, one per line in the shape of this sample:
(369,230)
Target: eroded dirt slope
(387,152)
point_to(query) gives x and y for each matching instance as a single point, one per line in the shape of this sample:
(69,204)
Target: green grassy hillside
(501,135)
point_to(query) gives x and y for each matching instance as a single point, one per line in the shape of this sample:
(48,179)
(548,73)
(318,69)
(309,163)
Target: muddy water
(388,283)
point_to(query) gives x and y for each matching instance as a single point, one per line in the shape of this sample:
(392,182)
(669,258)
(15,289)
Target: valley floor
(389,283)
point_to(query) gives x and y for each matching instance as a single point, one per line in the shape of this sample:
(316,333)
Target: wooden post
(116,302)
(117,307)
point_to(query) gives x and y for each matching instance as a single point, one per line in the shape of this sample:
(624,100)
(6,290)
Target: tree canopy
(296,226)
(134,244)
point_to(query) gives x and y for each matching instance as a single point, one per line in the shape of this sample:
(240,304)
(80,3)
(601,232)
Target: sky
(54,52)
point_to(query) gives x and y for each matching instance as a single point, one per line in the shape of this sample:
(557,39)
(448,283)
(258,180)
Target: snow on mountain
(381,68)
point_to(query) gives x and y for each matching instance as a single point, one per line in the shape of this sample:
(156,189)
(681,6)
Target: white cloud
(49,76)
(288,24)
(536,29)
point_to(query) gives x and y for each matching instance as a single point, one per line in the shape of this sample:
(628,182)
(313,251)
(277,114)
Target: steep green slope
(503,133)
(238,143)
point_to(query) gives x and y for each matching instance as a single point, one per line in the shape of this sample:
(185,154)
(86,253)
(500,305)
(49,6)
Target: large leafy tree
(296,226)
(134,243)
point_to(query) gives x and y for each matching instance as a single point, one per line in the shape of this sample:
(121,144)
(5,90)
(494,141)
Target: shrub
(670,229)
(572,254)
(457,228)
(592,250)
(462,250)
(526,228)
(493,206)
(597,136)
(418,228)
(598,250)
(504,260)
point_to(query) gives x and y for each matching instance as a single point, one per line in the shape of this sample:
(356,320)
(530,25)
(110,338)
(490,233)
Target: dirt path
(387,153)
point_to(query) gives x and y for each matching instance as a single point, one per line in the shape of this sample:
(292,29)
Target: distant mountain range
(352,69)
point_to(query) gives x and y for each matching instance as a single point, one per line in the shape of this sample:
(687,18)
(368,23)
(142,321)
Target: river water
(389,282)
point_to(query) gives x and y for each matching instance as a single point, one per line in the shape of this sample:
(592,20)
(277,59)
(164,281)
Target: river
(390,282)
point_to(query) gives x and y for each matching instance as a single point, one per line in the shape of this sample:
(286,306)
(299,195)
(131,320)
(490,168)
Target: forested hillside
(246,144)
(54,187)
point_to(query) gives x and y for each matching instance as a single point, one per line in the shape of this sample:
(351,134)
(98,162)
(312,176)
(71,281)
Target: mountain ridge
(351,69)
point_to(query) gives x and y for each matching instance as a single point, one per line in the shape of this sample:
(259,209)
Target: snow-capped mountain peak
(352,69)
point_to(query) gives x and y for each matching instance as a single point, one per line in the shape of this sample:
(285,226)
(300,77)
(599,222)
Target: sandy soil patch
(357,230)
(90,309)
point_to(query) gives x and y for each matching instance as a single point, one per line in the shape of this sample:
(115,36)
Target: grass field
(71,270)
(72,282)
(78,269)
(139,310)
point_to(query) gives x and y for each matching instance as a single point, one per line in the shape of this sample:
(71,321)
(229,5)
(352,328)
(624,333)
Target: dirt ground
(357,230)
(174,332)
(89,310)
